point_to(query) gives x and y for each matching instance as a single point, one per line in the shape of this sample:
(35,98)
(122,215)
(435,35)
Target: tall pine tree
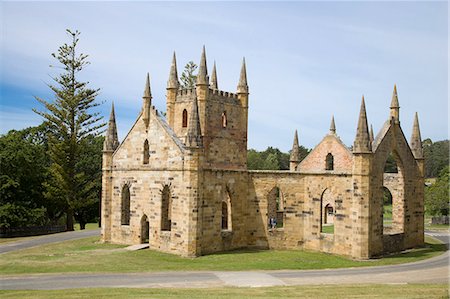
(71,121)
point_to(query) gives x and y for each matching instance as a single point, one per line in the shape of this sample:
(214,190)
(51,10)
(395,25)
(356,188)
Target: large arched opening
(393,201)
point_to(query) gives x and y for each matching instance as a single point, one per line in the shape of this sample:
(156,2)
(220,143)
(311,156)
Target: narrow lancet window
(185,118)
(226,212)
(166,207)
(329,162)
(125,218)
(224,119)
(146,152)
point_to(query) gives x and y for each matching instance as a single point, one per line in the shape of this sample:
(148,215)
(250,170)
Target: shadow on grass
(419,253)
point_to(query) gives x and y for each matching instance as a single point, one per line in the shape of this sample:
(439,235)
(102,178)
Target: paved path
(53,238)
(434,270)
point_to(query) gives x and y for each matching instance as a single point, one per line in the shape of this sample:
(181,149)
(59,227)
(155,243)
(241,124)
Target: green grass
(444,227)
(328,229)
(410,291)
(89,226)
(87,255)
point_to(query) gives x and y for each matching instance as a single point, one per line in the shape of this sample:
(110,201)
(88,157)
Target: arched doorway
(145,230)
(327,212)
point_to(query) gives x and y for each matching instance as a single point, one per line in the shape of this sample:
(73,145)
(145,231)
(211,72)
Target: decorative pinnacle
(394,102)
(242,85)
(294,153)
(194,134)
(362,142)
(202,76)
(395,107)
(147,90)
(332,126)
(111,140)
(371,136)
(214,83)
(416,139)
(173,76)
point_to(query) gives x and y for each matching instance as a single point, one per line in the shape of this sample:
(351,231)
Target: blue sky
(305,60)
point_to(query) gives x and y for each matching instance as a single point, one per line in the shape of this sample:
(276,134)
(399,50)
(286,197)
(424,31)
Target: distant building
(182,185)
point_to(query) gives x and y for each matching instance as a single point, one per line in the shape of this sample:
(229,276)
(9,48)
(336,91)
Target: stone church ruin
(181,182)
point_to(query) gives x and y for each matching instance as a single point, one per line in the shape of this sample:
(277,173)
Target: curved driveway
(434,270)
(53,238)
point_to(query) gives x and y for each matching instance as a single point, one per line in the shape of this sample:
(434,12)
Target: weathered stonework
(190,192)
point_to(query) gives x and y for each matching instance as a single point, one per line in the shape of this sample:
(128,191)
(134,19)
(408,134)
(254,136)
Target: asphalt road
(41,240)
(434,270)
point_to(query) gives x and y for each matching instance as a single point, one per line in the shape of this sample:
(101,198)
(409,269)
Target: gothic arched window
(125,218)
(166,209)
(185,118)
(329,162)
(146,152)
(224,119)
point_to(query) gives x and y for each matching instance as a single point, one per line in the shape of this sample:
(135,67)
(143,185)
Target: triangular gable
(316,159)
(165,146)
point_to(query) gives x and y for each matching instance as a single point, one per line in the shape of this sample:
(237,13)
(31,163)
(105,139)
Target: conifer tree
(70,120)
(187,77)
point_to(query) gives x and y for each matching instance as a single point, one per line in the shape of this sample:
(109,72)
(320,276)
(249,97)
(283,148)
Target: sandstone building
(181,182)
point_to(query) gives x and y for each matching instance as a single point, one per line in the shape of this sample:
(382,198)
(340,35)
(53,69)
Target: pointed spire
(242,85)
(332,126)
(362,141)
(147,90)
(147,103)
(194,134)
(395,107)
(371,138)
(111,140)
(214,84)
(294,152)
(416,139)
(202,76)
(173,76)
(394,102)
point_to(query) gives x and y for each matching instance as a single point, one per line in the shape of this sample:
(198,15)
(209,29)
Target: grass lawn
(87,255)
(410,291)
(328,229)
(89,226)
(443,227)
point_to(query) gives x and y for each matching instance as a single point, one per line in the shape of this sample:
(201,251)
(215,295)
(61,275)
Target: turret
(362,142)
(194,134)
(395,107)
(111,140)
(172,87)
(147,102)
(109,146)
(202,91)
(332,126)
(242,93)
(361,180)
(295,157)
(214,84)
